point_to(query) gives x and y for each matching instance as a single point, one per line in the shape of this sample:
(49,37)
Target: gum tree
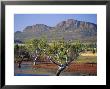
(63,54)
(37,48)
(60,52)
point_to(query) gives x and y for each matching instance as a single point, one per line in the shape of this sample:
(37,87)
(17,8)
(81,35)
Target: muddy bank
(75,69)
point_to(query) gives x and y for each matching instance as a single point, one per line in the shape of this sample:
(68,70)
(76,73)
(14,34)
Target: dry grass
(89,54)
(87,57)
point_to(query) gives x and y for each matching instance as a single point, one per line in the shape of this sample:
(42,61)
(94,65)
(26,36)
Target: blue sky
(23,20)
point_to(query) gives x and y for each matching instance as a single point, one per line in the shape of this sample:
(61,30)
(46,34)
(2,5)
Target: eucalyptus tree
(37,48)
(63,54)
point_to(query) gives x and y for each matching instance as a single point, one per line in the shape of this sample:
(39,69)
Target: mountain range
(69,30)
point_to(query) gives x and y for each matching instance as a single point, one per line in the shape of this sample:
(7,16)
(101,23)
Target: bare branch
(74,56)
(50,58)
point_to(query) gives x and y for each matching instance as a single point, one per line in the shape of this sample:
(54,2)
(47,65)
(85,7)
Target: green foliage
(17,49)
(61,51)
(31,45)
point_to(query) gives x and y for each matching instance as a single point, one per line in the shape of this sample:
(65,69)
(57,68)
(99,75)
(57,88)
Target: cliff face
(72,24)
(69,30)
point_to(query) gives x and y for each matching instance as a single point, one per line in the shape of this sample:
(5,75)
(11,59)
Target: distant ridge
(70,30)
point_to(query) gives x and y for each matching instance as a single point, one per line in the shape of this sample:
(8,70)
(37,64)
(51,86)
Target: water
(27,70)
(30,74)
